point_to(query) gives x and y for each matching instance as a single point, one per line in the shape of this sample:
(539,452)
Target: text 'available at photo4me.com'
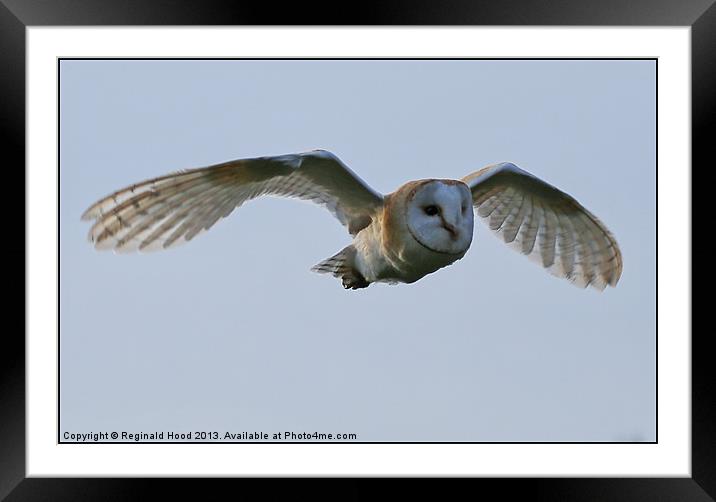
(203,436)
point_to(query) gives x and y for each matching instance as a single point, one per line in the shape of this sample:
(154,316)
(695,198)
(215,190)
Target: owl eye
(431,210)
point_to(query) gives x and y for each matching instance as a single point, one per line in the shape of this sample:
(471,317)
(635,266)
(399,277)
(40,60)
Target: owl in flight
(400,237)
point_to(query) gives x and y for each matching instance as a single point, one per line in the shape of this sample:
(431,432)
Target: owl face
(439,216)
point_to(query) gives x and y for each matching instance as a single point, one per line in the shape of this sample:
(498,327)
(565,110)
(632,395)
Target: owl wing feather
(546,224)
(172,209)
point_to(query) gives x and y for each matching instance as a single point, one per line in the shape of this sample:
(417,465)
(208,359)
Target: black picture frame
(16,15)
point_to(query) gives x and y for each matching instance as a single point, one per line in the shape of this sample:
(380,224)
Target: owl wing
(546,224)
(172,209)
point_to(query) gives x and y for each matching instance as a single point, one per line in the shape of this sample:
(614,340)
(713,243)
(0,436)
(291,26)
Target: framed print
(227,358)
(410,324)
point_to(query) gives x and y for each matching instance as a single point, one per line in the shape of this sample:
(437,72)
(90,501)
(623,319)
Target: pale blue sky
(232,332)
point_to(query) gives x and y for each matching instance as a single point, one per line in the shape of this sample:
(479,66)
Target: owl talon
(354,281)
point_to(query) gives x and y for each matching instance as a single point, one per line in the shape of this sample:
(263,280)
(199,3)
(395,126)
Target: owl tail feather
(342,265)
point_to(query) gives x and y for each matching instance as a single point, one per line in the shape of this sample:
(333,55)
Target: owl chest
(391,253)
(415,260)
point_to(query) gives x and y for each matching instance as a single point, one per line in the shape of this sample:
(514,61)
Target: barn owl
(401,237)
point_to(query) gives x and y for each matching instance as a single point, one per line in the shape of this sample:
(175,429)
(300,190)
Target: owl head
(439,215)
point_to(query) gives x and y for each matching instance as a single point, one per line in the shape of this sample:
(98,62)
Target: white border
(670,457)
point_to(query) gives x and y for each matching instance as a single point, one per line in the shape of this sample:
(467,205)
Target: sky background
(232,332)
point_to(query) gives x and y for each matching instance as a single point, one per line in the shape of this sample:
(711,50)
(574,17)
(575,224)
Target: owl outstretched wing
(546,224)
(172,209)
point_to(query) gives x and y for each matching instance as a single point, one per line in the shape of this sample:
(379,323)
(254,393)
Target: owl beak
(454,232)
